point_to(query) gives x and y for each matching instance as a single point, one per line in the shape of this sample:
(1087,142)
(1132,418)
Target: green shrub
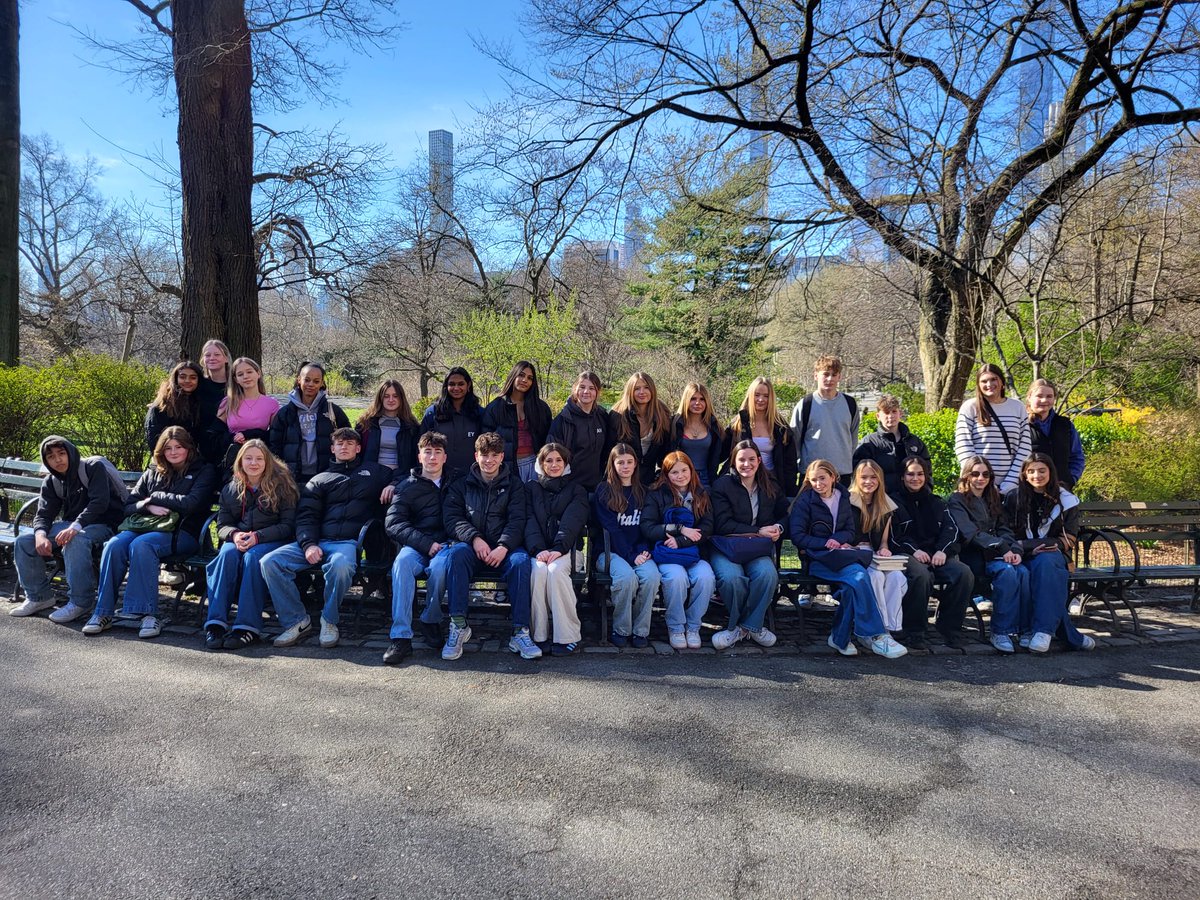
(937,431)
(1098,433)
(30,408)
(106,402)
(421,404)
(1161,461)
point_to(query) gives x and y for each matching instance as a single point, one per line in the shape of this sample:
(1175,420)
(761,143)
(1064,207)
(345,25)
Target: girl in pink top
(247,409)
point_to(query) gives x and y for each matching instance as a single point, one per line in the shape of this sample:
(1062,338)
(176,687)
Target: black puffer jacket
(557,512)
(657,503)
(588,437)
(500,416)
(627,428)
(236,513)
(286,439)
(414,518)
(494,511)
(889,452)
(189,494)
(783,453)
(733,514)
(922,521)
(337,503)
(461,428)
(209,433)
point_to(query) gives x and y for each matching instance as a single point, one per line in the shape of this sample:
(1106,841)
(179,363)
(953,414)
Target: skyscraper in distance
(441,180)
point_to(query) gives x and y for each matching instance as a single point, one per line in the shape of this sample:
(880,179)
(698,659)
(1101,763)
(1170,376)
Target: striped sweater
(971,439)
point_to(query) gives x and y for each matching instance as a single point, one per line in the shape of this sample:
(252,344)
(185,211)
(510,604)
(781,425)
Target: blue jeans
(279,569)
(231,573)
(139,555)
(77,564)
(459,565)
(747,589)
(525,469)
(1048,590)
(633,590)
(695,584)
(857,608)
(1010,596)
(410,565)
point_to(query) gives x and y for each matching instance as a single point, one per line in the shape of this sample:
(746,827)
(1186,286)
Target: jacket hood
(501,474)
(294,397)
(574,410)
(72,454)
(900,427)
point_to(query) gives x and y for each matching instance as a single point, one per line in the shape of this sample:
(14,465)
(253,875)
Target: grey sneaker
(764,637)
(456,639)
(848,650)
(1039,643)
(151,627)
(1003,643)
(727,637)
(677,640)
(522,642)
(1089,643)
(97,624)
(329,634)
(295,634)
(68,613)
(693,639)
(31,607)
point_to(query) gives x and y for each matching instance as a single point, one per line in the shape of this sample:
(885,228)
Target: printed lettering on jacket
(630,518)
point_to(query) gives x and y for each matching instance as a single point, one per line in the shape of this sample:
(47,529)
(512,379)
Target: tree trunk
(10,183)
(947,338)
(213,74)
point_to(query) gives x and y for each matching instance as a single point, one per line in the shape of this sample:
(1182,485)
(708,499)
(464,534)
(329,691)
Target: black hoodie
(589,438)
(65,496)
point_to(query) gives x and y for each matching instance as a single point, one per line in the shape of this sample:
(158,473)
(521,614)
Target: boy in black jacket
(485,512)
(415,523)
(334,506)
(88,505)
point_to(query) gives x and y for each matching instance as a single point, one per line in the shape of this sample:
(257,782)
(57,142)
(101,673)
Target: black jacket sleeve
(513,534)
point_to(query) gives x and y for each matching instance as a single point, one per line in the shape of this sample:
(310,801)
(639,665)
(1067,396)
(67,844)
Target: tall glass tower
(441,180)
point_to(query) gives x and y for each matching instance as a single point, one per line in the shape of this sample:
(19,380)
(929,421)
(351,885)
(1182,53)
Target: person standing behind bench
(302,430)
(1053,434)
(415,522)
(89,506)
(993,426)
(334,507)
(891,444)
(825,422)
(485,511)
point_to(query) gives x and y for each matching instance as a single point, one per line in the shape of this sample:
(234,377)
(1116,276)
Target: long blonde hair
(774,417)
(875,507)
(276,489)
(220,345)
(234,394)
(693,389)
(660,416)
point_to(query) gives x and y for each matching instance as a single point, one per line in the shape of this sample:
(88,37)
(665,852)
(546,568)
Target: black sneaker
(214,637)
(431,632)
(915,640)
(240,639)
(639,641)
(399,650)
(955,639)
(618,640)
(564,649)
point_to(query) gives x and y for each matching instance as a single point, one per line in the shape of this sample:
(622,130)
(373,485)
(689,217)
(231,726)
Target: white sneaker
(1075,607)
(295,634)
(68,613)
(1089,643)
(173,579)
(678,640)
(31,607)
(887,647)
(329,634)
(151,627)
(764,637)
(848,650)
(693,640)
(727,637)
(1039,643)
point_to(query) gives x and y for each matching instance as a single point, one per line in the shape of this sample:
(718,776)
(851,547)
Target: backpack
(114,477)
(806,413)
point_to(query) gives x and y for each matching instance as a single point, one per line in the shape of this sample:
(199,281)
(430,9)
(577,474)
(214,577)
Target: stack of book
(895,563)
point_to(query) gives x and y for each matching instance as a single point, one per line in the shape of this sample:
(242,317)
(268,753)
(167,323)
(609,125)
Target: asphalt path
(153,769)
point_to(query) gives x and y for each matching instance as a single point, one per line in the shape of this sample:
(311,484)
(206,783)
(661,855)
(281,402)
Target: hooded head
(52,449)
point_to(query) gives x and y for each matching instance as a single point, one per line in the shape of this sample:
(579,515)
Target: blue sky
(431,78)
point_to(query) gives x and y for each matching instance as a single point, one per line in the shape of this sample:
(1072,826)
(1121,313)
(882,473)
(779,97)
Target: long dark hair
(443,407)
(764,481)
(616,490)
(981,402)
(507,387)
(175,403)
(1032,506)
(991,494)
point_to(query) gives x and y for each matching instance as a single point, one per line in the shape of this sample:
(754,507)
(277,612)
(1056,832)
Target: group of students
(506,490)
